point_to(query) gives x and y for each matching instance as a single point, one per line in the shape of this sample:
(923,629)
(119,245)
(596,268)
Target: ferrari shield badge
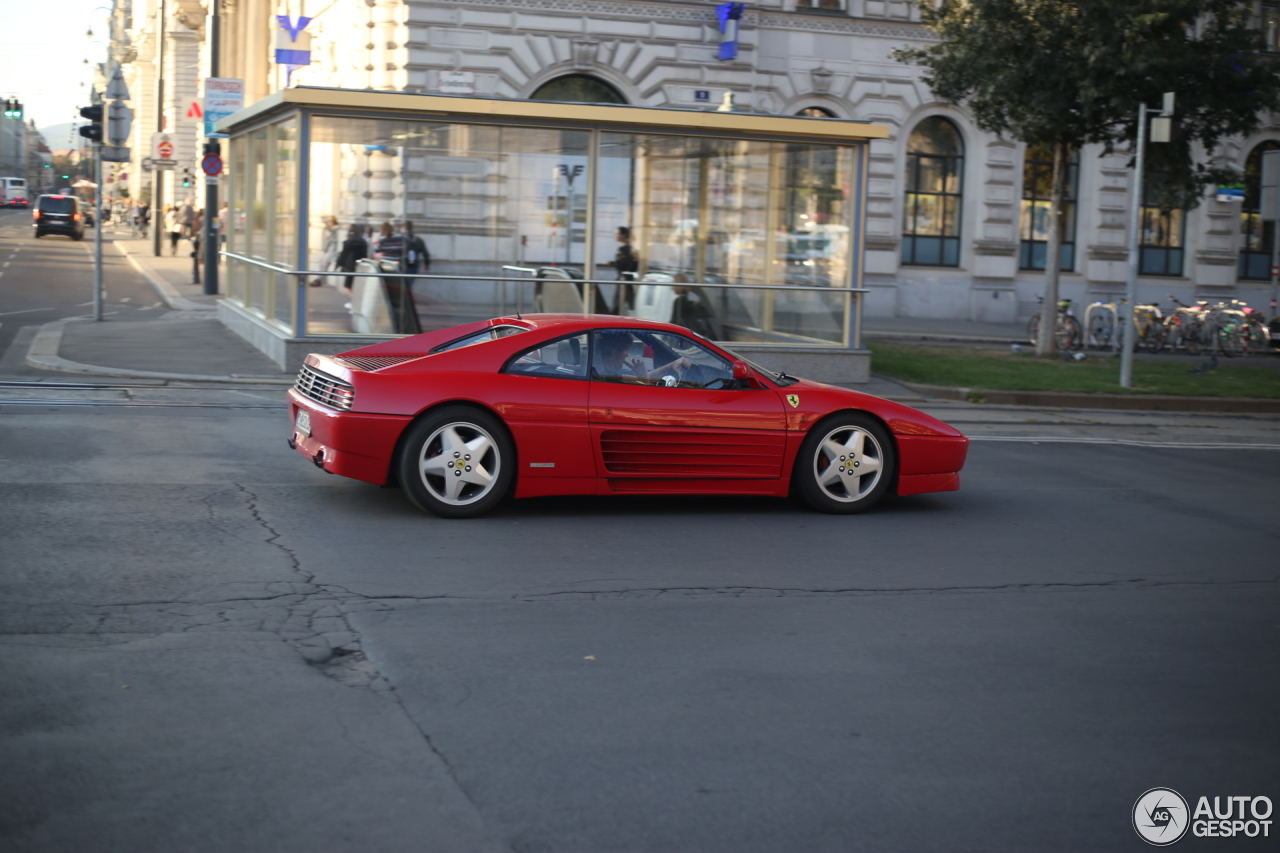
(793,399)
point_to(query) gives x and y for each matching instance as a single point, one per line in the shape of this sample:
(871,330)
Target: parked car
(58,214)
(560,404)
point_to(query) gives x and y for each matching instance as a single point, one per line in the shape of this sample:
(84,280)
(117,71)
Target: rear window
(490,334)
(57,204)
(16,182)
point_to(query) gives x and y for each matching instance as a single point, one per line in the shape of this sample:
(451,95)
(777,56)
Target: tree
(1064,73)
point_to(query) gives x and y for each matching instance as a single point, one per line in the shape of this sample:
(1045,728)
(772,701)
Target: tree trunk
(1047,343)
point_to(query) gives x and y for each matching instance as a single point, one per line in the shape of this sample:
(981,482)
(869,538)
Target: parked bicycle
(1100,321)
(1066,328)
(1184,328)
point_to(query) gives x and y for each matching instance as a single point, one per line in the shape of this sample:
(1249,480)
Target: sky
(42,51)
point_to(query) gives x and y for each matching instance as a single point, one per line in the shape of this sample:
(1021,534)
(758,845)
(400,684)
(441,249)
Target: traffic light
(92,132)
(186,177)
(13,108)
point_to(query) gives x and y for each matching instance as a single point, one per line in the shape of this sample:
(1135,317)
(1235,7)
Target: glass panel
(477,196)
(256,204)
(935,135)
(284,249)
(673,212)
(236,285)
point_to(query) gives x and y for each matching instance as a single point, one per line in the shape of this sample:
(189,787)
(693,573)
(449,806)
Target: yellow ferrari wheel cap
(793,399)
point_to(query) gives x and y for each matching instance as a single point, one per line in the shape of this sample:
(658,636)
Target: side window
(565,358)
(637,357)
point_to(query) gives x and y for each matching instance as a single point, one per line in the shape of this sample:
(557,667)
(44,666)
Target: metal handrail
(286,271)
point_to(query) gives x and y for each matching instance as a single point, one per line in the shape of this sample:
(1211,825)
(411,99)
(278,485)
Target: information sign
(223,96)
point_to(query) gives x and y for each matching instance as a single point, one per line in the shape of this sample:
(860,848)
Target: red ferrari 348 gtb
(566,404)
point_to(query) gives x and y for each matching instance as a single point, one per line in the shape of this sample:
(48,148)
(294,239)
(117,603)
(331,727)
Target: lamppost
(1160,132)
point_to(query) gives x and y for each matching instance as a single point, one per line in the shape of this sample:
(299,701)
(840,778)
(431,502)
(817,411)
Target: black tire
(78,237)
(39,234)
(439,475)
(816,474)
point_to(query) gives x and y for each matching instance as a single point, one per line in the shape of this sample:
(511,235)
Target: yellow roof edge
(658,118)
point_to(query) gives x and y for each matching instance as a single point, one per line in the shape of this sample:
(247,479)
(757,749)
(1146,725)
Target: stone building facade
(956,215)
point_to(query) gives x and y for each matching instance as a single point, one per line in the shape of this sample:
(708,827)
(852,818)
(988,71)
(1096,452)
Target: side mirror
(744,375)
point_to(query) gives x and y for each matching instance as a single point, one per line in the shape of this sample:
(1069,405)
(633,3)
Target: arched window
(816,112)
(1256,236)
(931,217)
(579,89)
(1037,187)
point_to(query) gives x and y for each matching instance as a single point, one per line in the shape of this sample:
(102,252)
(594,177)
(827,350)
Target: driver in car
(612,359)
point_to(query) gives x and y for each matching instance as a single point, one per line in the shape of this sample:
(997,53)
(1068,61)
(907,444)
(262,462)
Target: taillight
(35,214)
(76,217)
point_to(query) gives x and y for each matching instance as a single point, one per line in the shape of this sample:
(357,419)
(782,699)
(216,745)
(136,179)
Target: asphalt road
(51,278)
(210,645)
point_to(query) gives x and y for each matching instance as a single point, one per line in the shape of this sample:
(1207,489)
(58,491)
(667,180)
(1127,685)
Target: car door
(664,406)
(541,394)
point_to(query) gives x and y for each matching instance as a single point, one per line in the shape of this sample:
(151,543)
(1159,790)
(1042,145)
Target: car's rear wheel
(457,462)
(846,464)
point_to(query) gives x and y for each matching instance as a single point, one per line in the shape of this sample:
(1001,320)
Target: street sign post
(163,151)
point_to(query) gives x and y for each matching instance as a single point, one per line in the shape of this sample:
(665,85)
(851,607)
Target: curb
(163,289)
(930,336)
(43,355)
(1080,400)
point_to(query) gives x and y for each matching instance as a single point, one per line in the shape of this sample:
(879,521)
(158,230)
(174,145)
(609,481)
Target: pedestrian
(328,247)
(414,257)
(223,213)
(354,248)
(135,220)
(186,217)
(173,227)
(386,232)
(144,218)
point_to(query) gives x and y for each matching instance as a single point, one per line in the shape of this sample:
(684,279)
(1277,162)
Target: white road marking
(1126,442)
(25,311)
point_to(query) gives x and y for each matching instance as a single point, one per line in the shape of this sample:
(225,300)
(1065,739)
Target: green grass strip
(1006,370)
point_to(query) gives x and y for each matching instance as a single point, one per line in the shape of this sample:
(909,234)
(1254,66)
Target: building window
(1037,187)
(931,216)
(816,112)
(1271,26)
(578,89)
(1256,236)
(824,5)
(1161,250)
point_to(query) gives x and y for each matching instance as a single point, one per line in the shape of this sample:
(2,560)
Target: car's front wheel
(846,464)
(457,462)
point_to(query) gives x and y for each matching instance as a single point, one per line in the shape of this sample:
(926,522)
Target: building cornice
(658,10)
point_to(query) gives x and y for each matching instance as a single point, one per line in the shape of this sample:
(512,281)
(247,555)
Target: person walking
(135,220)
(144,218)
(414,257)
(328,247)
(173,227)
(354,248)
(186,217)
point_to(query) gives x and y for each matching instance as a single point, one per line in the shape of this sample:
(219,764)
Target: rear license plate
(303,423)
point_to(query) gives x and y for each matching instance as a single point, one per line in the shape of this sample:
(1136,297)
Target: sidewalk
(187,344)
